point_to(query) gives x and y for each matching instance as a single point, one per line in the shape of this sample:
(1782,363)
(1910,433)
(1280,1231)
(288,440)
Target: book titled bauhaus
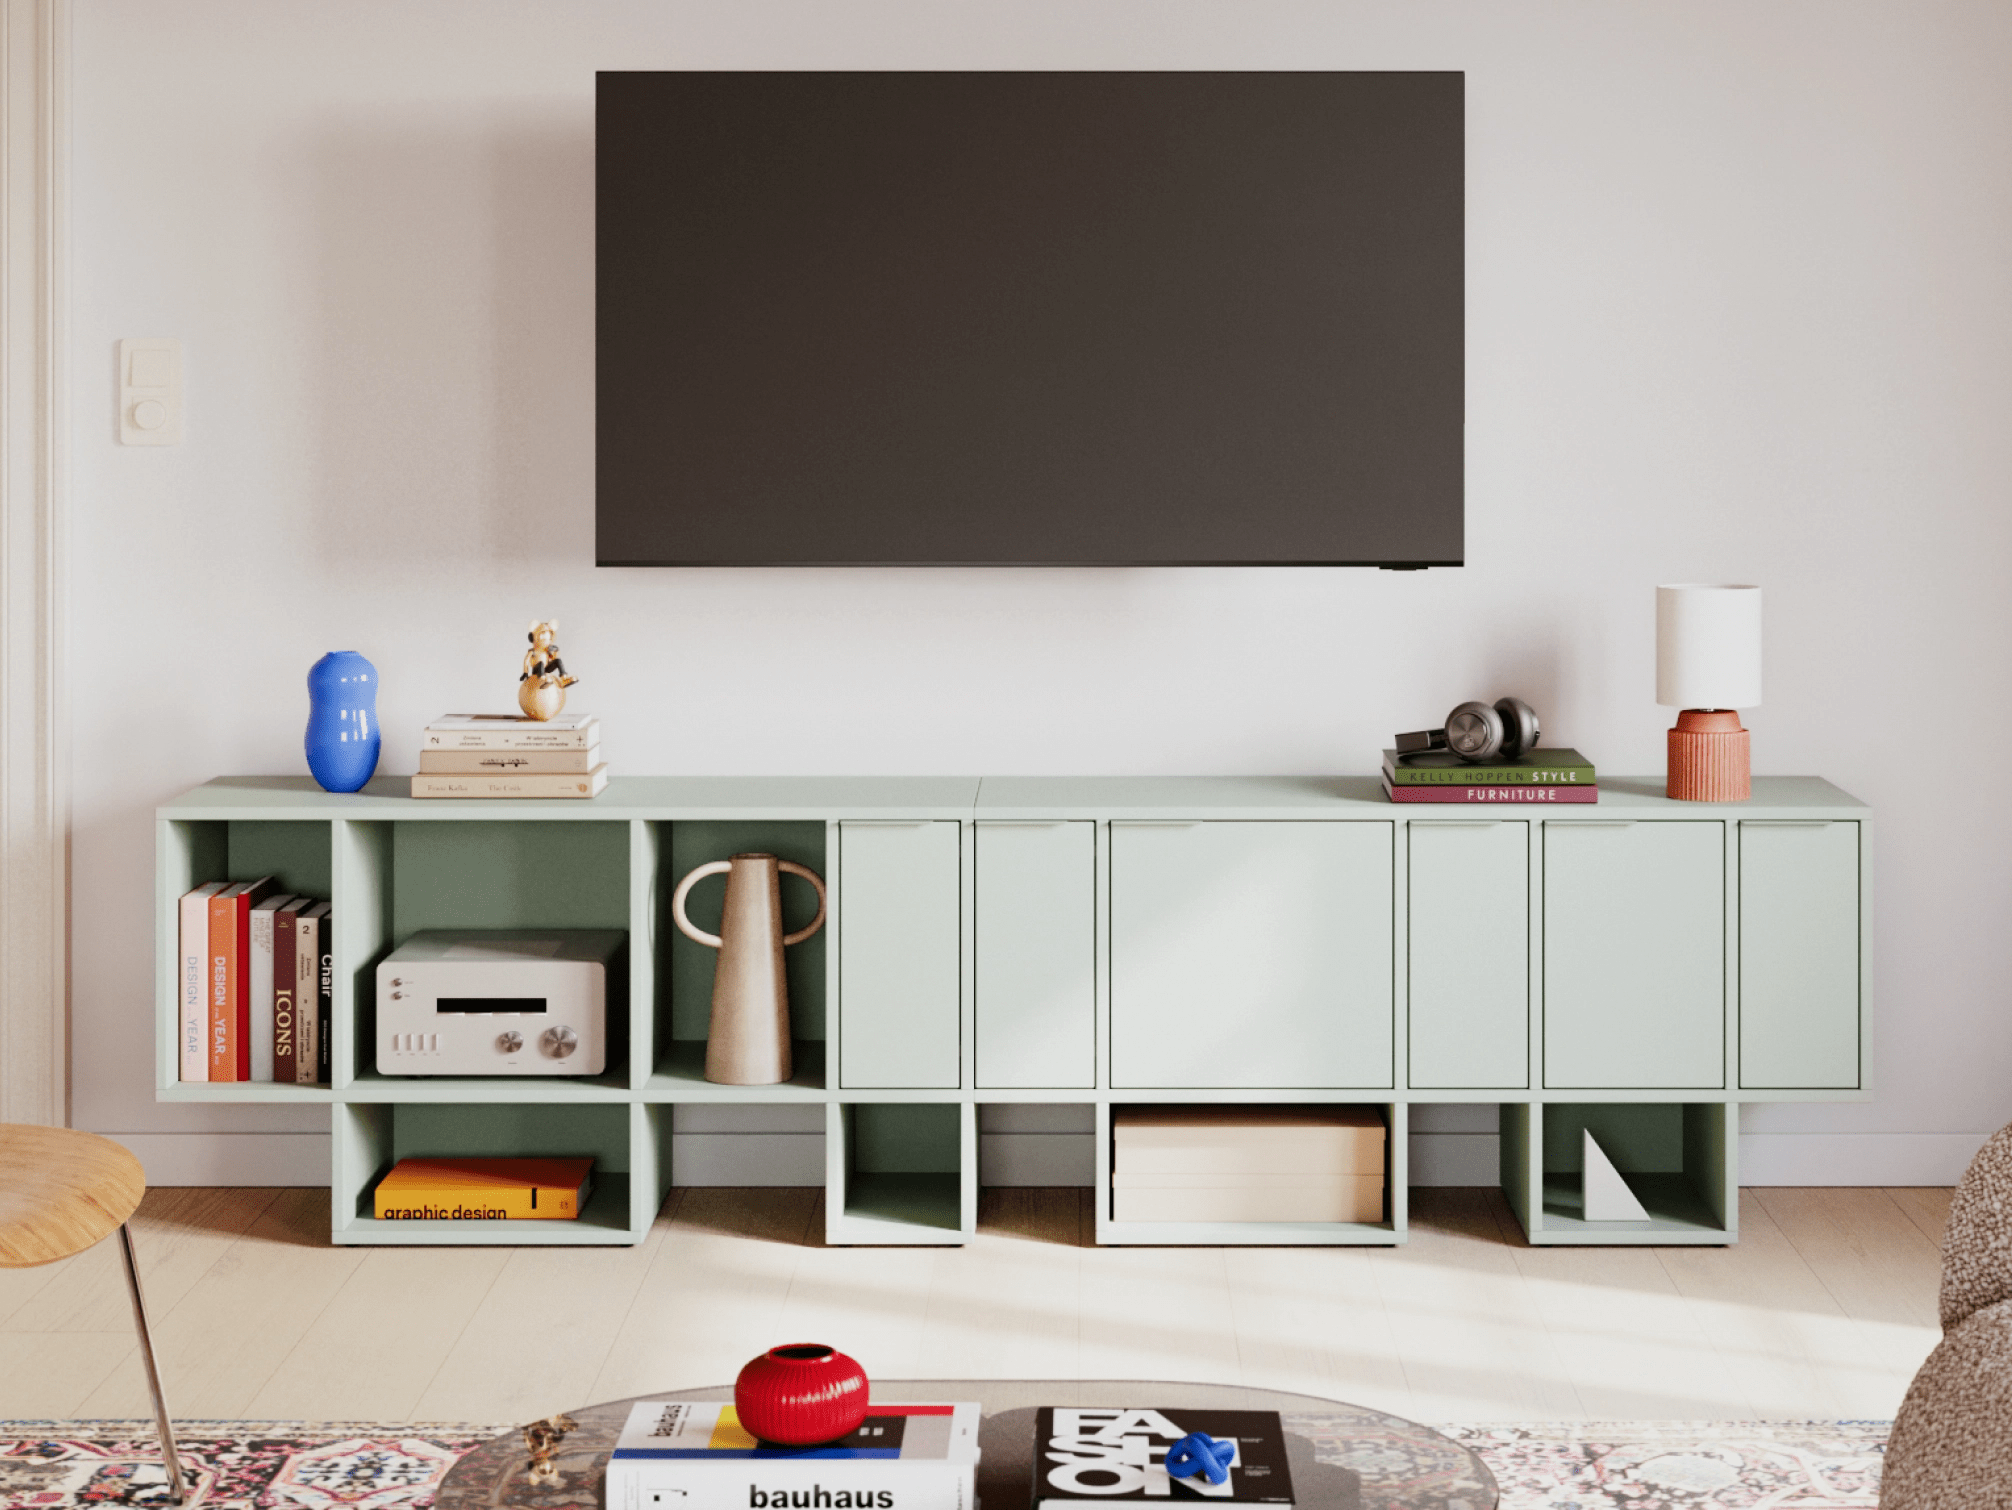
(1085,1455)
(679,1455)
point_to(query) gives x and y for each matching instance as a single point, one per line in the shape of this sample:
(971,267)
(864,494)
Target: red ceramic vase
(800,1394)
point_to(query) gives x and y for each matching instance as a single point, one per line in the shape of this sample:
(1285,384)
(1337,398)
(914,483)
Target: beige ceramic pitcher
(747,1040)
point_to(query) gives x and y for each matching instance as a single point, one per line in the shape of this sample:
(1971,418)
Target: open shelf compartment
(1391,1231)
(900,1172)
(1679,1158)
(674,979)
(191,853)
(630,1146)
(402,878)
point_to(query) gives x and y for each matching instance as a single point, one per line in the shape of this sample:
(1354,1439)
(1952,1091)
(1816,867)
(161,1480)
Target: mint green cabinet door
(1469,955)
(1251,955)
(900,957)
(1634,955)
(1799,953)
(1035,967)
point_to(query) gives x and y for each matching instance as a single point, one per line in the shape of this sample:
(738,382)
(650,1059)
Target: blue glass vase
(342,738)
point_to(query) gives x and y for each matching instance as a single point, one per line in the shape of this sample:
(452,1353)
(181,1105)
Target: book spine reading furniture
(1638,968)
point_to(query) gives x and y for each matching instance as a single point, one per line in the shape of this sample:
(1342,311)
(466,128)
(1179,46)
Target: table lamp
(1708,663)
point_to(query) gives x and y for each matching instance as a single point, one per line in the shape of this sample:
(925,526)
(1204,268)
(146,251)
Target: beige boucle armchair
(1951,1447)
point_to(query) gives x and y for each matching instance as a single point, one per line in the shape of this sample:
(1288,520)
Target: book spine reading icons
(747,1038)
(801,1394)
(342,738)
(541,689)
(1504,729)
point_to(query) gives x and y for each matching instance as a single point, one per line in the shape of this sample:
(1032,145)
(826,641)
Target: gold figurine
(541,690)
(542,1438)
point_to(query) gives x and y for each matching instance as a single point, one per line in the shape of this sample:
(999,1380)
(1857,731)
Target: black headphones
(1478,731)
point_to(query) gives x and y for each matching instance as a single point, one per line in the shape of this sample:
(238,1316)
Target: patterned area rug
(1611,1465)
(1664,1465)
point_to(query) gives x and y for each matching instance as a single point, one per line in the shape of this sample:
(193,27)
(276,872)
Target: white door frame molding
(34,724)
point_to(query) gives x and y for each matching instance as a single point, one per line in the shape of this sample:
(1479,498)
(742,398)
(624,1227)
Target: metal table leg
(169,1457)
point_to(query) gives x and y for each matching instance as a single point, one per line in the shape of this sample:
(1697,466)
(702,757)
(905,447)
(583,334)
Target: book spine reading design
(285,1061)
(222,987)
(193,982)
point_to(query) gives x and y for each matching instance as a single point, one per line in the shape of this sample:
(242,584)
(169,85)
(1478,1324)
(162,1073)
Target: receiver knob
(510,1042)
(559,1042)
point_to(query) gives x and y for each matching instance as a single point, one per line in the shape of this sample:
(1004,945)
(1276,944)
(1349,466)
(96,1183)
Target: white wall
(1738,309)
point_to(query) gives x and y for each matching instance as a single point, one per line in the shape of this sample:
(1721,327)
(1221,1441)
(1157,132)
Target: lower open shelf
(1678,1159)
(606,1221)
(901,1173)
(906,1173)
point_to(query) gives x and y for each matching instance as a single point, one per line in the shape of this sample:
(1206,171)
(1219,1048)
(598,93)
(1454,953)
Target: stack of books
(509,755)
(1247,1164)
(484,1190)
(1540,776)
(256,977)
(679,1455)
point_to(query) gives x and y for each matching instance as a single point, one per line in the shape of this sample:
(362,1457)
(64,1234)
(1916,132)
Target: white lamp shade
(1708,645)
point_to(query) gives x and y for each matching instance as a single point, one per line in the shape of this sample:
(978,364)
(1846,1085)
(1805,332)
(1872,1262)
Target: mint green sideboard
(1639,968)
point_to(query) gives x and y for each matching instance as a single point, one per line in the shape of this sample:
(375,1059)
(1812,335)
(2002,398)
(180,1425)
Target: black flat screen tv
(1029,319)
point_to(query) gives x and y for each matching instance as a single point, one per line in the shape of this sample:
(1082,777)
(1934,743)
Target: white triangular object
(1608,1198)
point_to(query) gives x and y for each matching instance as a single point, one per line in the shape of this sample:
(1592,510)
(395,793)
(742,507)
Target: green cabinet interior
(990,939)
(1634,954)
(1468,954)
(1251,955)
(900,973)
(1035,955)
(1800,891)
(1679,1159)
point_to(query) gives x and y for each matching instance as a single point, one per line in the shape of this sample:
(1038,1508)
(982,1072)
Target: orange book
(230,982)
(483,1190)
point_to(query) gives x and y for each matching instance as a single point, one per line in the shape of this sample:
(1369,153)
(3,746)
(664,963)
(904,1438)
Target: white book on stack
(681,1455)
(511,731)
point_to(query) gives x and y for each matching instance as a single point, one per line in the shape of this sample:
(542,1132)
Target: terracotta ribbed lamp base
(1709,758)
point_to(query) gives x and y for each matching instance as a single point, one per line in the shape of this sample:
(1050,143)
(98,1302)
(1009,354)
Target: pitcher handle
(699,935)
(791,868)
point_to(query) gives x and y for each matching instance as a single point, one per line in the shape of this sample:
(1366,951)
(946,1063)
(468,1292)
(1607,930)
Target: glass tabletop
(1343,1457)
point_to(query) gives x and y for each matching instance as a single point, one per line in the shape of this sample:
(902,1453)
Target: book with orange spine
(484,1190)
(230,987)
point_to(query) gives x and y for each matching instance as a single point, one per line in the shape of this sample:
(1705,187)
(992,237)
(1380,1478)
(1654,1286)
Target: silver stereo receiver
(512,1002)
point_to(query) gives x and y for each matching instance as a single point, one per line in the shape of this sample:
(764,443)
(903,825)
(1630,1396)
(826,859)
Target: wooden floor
(1824,1309)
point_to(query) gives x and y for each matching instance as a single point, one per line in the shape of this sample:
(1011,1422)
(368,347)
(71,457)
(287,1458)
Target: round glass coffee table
(1343,1457)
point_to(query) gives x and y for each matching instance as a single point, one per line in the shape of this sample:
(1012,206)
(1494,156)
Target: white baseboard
(230,1159)
(1450,1158)
(1856,1158)
(763,1158)
(1038,1159)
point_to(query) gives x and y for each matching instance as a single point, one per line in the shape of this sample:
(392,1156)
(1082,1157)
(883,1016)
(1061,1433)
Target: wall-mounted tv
(1030,319)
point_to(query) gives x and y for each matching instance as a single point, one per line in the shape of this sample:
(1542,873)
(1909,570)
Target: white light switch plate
(150,392)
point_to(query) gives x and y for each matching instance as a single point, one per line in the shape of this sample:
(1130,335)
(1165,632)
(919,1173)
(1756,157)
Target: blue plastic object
(342,738)
(1198,1452)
